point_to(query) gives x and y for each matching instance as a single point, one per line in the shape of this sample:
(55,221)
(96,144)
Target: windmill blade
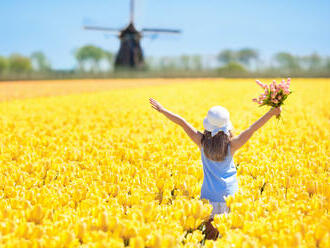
(132,11)
(152,36)
(114,30)
(161,30)
(108,35)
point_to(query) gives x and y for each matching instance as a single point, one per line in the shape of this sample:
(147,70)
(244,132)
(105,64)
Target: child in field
(217,146)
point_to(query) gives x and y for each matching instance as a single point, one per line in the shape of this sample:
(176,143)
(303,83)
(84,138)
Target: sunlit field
(28,89)
(104,169)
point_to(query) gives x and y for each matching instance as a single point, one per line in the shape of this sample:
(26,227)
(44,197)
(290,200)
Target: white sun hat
(217,119)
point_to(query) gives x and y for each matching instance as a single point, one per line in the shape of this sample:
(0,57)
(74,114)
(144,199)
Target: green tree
(162,63)
(109,57)
(327,64)
(39,61)
(197,62)
(19,64)
(185,61)
(3,64)
(151,62)
(246,55)
(227,56)
(167,63)
(232,69)
(89,54)
(313,61)
(287,61)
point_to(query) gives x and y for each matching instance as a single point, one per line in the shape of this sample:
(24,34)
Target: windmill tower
(130,54)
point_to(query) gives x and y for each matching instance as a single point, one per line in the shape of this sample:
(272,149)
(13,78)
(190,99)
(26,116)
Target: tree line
(88,59)
(17,63)
(94,60)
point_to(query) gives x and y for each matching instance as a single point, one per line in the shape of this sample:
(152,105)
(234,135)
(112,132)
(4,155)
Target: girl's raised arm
(241,139)
(193,134)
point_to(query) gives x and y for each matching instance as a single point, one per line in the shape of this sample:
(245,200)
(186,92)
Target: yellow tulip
(136,242)
(80,229)
(187,208)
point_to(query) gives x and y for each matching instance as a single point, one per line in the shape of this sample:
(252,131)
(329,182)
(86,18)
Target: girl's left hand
(276,111)
(156,105)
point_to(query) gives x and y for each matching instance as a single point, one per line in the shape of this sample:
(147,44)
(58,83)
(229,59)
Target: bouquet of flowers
(274,94)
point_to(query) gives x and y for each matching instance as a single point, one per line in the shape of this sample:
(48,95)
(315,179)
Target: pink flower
(274,83)
(282,85)
(261,84)
(286,92)
(274,91)
(272,88)
(278,90)
(272,95)
(275,101)
(255,99)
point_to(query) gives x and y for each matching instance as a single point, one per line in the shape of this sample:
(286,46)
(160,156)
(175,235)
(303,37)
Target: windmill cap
(217,117)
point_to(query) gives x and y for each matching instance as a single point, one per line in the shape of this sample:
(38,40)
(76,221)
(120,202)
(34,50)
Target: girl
(217,146)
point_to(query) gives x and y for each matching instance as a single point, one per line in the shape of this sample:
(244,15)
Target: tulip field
(101,168)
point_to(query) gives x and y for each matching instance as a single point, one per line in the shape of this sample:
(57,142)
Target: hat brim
(209,127)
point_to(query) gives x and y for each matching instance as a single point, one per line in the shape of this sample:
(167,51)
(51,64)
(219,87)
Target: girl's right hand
(156,105)
(276,111)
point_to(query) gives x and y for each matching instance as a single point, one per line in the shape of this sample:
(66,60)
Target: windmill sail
(132,11)
(160,30)
(114,30)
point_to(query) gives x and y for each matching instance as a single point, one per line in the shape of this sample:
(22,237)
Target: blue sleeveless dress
(219,178)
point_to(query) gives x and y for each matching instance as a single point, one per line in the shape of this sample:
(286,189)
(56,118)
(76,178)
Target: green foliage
(197,62)
(185,61)
(92,55)
(246,55)
(327,64)
(109,56)
(313,61)
(227,56)
(287,61)
(40,62)
(3,64)
(19,64)
(231,69)
(89,52)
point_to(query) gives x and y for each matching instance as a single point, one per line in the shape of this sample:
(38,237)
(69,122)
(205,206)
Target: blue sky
(55,27)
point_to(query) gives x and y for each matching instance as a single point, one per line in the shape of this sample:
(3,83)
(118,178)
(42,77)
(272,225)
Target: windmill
(130,53)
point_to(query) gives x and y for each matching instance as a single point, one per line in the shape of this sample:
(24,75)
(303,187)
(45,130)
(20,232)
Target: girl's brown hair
(215,148)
